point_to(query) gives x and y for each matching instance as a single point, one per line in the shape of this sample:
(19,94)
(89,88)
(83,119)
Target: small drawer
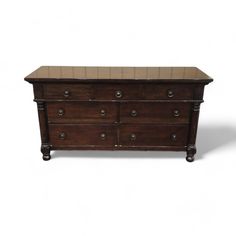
(154,112)
(118,91)
(68,91)
(82,112)
(153,135)
(167,91)
(85,135)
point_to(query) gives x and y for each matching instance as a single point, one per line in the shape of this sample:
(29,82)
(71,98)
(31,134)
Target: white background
(117,193)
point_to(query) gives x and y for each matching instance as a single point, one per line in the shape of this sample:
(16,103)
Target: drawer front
(91,91)
(82,135)
(154,112)
(153,135)
(68,91)
(82,112)
(167,91)
(118,91)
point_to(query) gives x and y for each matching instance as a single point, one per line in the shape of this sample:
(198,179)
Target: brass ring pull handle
(119,94)
(133,113)
(176,113)
(103,136)
(173,137)
(103,112)
(170,93)
(62,135)
(132,137)
(66,93)
(61,112)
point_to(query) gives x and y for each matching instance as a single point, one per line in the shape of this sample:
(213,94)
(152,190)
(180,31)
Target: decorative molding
(191,148)
(41,106)
(196,106)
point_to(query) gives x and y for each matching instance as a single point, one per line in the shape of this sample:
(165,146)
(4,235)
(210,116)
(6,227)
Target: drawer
(82,112)
(154,112)
(153,135)
(167,91)
(91,91)
(82,135)
(118,91)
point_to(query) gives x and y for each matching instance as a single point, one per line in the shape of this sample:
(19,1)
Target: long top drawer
(117,91)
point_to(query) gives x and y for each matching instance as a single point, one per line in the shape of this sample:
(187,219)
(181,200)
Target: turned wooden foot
(190,158)
(45,149)
(191,150)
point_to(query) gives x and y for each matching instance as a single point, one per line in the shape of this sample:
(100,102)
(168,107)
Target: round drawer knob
(102,112)
(103,136)
(61,112)
(173,137)
(170,93)
(132,137)
(119,94)
(176,113)
(133,113)
(62,135)
(66,93)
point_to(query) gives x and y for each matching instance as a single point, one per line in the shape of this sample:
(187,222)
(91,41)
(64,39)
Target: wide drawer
(82,135)
(153,135)
(118,91)
(154,112)
(82,112)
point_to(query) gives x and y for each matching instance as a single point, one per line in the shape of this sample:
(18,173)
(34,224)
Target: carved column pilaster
(45,147)
(191,148)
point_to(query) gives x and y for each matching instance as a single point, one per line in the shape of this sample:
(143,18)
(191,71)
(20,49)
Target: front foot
(46,157)
(190,158)
(191,150)
(45,149)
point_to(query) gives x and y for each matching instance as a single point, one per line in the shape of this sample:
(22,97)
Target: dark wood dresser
(118,108)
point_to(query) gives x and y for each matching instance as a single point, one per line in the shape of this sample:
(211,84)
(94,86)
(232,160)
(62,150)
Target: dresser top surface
(119,74)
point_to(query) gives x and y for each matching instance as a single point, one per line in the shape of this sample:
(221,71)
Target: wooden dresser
(118,108)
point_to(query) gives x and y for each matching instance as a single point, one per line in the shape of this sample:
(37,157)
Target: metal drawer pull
(103,136)
(102,112)
(133,113)
(132,137)
(173,137)
(119,94)
(170,93)
(62,135)
(176,113)
(66,93)
(61,112)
